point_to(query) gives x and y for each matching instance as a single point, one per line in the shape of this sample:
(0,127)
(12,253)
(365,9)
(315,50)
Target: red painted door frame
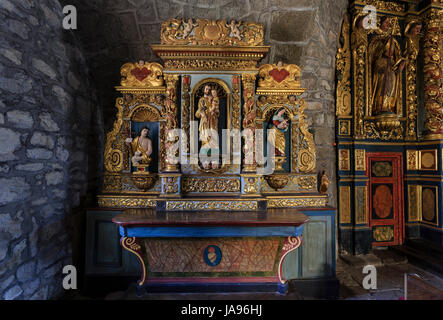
(396,158)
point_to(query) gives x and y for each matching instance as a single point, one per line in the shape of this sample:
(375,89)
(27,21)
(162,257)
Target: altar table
(211,251)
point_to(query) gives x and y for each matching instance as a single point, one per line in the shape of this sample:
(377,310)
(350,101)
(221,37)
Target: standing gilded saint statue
(208,112)
(387,65)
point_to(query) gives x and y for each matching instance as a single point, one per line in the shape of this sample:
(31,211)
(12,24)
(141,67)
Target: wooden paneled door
(386,220)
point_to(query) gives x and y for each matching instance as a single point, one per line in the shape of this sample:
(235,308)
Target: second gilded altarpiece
(388,104)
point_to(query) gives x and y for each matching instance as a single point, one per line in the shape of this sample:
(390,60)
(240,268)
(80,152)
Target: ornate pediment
(279,79)
(205,32)
(141,76)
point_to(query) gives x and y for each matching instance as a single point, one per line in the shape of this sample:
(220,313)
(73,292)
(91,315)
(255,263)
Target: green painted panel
(317,248)
(291,266)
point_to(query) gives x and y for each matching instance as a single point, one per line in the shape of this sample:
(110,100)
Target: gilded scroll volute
(307,156)
(113,149)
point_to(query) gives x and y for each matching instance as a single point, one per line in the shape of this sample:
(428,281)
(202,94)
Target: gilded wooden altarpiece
(216,58)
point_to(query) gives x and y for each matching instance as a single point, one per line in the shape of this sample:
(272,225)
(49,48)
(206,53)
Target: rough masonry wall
(304,32)
(46,111)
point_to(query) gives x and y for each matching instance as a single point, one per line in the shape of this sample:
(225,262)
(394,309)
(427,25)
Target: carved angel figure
(187,27)
(235,31)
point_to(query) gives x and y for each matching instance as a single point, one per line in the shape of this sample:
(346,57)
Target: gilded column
(433,91)
(186,84)
(412,33)
(249,115)
(343,63)
(170,114)
(359,54)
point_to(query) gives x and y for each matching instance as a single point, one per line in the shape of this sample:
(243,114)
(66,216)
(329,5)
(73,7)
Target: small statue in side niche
(280,125)
(235,31)
(324,183)
(187,27)
(140,147)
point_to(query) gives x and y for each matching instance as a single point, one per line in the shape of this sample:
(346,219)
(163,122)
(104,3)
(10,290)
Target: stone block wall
(48,146)
(304,32)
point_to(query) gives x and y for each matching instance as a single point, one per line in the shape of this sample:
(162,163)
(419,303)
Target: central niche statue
(208,112)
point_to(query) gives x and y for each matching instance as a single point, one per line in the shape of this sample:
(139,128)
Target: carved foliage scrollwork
(359,53)
(211,32)
(210,185)
(213,64)
(433,90)
(249,115)
(236,102)
(412,48)
(307,155)
(343,62)
(113,148)
(186,107)
(170,114)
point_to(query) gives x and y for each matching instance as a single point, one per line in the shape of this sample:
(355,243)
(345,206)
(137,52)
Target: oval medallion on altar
(212,255)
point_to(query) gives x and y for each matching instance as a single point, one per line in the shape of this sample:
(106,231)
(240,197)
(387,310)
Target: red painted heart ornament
(279,75)
(141,74)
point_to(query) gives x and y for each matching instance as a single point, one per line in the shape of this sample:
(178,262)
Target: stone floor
(390,267)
